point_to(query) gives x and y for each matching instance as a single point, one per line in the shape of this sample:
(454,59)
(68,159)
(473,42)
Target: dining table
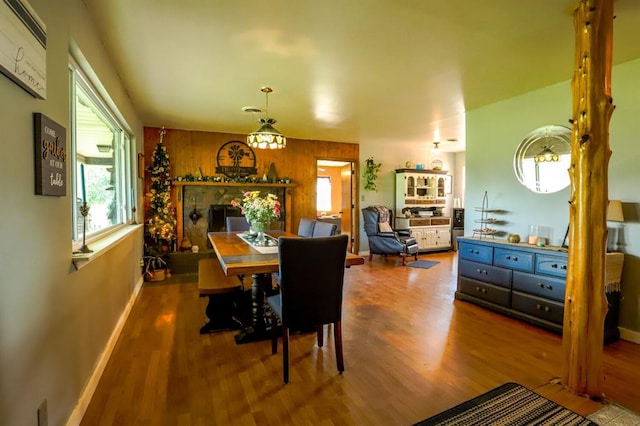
(239,255)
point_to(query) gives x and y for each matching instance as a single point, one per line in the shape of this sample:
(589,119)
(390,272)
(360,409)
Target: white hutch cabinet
(417,192)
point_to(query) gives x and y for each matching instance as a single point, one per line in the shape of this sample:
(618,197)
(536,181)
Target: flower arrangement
(259,209)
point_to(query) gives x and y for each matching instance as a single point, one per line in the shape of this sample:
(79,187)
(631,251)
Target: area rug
(509,404)
(424,264)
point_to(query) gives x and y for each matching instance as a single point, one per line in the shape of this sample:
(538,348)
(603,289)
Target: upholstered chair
(324,229)
(383,238)
(305,228)
(311,281)
(237,223)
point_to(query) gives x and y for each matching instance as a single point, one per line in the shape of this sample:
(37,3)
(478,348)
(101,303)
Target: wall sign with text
(23,47)
(51,156)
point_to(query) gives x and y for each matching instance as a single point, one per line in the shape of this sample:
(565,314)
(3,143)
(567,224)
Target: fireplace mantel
(178,196)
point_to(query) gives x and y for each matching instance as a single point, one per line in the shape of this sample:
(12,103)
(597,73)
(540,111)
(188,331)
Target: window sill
(101,246)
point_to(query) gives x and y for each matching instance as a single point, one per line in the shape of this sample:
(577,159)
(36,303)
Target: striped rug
(509,404)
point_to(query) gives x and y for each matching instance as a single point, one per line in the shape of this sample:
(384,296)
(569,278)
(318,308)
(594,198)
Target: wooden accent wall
(189,150)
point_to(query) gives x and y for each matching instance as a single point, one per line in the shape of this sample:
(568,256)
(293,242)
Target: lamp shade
(614,211)
(266,137)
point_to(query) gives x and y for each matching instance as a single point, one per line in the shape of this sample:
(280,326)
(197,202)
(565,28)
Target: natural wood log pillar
(585,301)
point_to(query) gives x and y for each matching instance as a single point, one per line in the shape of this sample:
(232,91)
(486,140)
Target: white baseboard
(630,335)
(92,384)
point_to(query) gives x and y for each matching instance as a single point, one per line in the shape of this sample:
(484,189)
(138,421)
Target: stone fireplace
(202,207)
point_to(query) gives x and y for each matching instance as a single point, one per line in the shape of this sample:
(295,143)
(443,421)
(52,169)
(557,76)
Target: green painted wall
(493,134)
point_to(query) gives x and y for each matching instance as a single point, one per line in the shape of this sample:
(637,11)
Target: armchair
(383,238)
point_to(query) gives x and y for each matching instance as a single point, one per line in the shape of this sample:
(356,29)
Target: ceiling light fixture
(266,137)
(104,148)
(436,148)
(546,155)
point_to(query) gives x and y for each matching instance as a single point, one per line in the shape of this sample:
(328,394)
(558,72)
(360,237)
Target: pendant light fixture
(436,148)
(546,155)
(266,137)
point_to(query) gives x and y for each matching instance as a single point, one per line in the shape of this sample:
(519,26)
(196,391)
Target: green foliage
(371,174)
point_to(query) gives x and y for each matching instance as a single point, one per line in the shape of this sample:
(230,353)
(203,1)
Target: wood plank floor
(410,351)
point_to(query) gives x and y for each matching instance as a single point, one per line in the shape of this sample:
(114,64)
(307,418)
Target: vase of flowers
(259,211)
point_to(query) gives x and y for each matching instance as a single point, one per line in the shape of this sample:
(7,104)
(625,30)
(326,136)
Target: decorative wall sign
(236,159)
(23,47)
(50,156)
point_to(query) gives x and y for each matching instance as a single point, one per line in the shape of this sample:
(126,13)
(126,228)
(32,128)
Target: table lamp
(614,214)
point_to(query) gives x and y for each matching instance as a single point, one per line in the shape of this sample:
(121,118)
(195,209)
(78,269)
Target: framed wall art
(50,156)
(23,47)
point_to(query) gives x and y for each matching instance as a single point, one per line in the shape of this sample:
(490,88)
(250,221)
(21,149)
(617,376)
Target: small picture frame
(140,166)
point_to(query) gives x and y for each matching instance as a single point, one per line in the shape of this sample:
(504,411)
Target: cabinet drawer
(551,265)
(484,291)
(552,288)
(538,307)
(482,272)
(512,259)
(419,222)
(441,221)
(475,252)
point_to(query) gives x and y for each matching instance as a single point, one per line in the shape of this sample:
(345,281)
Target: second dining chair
(311,281)
(324,229)
(237,223)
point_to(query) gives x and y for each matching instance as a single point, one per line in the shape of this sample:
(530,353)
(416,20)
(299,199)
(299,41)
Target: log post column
(585,301)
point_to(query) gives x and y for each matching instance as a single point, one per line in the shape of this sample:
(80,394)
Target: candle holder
(84,211)
(133,216)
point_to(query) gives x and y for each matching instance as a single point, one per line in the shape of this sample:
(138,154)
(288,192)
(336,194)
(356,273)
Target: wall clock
(236,159)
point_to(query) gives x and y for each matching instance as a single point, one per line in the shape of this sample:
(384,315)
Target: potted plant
(371,174)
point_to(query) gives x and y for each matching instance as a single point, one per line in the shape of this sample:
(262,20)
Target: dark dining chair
(311,281)
(305,227)
(324,229)
(237,223)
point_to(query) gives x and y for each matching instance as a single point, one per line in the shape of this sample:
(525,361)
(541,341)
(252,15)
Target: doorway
(336,196)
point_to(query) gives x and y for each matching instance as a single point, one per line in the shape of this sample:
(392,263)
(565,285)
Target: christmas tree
(160,221)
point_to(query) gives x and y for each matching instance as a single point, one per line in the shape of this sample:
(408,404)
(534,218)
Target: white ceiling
(367,71)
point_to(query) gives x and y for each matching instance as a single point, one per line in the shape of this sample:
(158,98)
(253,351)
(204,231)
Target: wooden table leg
(258,329)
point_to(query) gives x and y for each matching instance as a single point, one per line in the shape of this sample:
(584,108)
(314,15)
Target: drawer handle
(563,267)
(481,290)
(556,266)
(547,286)
(543,308)
(472,251)
(481,271)
(514,258)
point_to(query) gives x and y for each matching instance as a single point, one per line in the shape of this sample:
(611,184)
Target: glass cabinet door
(411,185)
(441,187)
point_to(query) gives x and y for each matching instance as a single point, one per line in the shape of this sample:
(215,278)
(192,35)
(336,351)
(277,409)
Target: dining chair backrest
(324,229)
(311,280)
(237,223)
(305,228)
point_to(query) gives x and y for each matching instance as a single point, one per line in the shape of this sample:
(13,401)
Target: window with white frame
(101,160)
(323,190)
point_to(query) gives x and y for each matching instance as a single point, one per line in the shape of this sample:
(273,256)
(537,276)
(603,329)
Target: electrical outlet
(43,415)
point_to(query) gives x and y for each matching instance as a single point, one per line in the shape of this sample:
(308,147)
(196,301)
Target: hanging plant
(371,174)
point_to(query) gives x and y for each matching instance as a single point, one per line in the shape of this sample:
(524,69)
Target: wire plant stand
(483,229)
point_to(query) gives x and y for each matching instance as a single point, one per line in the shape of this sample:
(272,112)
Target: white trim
(629,335)
(92,384)
(102,245)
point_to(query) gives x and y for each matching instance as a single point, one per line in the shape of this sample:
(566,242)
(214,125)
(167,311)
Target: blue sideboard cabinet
(523,281)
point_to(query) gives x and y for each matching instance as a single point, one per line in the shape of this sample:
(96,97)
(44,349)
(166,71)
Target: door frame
(354,232)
